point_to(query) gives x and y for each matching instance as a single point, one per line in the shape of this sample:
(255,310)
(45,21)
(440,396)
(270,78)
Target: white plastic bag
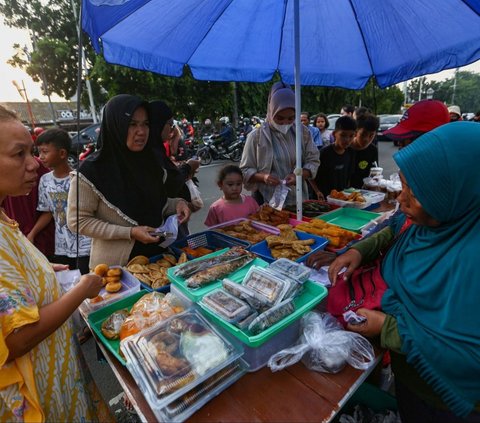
(168,231)
(279,195)
(325,346)
(195,195)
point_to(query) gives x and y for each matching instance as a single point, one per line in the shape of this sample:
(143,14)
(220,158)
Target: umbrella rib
(363,38)
(205,36)
(285,2)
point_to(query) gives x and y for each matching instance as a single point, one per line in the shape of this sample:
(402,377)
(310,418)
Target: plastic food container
(176,355)
(259,226)
(96,319)
(351,219)
(311,208)
(154,259)
(372,197)
(291,269)
(261,249)
(228,307)
(266,285)
(208,239)
(272,316)
(130,285)
(195,295)
(311,295)
(187,404)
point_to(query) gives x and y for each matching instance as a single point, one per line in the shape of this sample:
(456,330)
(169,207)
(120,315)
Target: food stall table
(294,394)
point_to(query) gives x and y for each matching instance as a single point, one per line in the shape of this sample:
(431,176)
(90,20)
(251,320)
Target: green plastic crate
(98,317)
(312,295)
(197,294)
(349,218)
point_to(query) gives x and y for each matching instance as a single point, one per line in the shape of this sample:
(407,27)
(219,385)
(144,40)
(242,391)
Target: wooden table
(295,394)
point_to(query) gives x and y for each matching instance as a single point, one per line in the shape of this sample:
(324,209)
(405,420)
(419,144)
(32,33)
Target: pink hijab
(281,97)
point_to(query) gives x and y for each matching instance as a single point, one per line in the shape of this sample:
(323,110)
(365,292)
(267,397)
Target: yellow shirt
(46,383)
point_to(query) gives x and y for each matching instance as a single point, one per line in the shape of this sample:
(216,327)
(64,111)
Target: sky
(8,92)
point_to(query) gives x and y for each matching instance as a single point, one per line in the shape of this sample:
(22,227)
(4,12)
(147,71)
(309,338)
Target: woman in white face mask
(269,153)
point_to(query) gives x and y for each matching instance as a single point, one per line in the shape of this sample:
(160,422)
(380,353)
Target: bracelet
(265,178)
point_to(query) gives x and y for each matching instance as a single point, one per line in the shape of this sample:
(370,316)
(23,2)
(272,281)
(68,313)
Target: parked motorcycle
(211,151)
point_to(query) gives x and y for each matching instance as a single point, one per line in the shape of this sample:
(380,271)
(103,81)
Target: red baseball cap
(422,117)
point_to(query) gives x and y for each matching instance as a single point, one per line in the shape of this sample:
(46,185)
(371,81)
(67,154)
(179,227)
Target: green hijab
(433,273)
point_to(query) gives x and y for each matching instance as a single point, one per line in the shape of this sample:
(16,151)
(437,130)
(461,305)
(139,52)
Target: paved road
(106,380)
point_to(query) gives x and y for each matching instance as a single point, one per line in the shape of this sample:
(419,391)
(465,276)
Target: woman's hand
(290,179)
(350,259)
(372,326)
(320,258)
(183,212)
(270,180)
(91,285)
(194,165)
(144,235)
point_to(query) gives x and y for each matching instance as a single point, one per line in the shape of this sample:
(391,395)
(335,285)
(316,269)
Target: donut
(113,286)
(109,279)
(101,269)
(115,271)
(165,341)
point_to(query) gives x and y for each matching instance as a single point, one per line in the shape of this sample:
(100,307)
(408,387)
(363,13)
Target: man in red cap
(422,117)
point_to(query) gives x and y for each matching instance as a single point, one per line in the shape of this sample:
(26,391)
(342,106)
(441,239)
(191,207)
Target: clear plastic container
(266,284)
(272,316)
(291,269)
(130,285)
(230,308)
(175,356)
(258,302)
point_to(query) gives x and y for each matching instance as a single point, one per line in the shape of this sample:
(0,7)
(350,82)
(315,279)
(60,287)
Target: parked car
(332,119)
(386,122)
(86,136)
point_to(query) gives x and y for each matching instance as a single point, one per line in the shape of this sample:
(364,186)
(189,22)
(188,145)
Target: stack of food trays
(247,230)
(203,243)
(263,309)
(355,198)
(180,280)
(129,285)
(181,363)
(267,214)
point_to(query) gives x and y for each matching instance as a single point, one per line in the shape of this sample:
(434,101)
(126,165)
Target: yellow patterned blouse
(44,384)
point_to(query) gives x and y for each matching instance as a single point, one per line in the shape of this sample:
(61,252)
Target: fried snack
(101,269)
(96,299)
(287,245)
(269,215)
(336,236)
(137,268)
(245,231)
(171,259)
(165,341)
(182,259)
(355,196)
(138,260)
(109,279)
(112,325)
(115,271)
(113,286)
(164,263)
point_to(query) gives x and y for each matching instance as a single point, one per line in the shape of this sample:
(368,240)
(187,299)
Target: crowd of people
(108,210)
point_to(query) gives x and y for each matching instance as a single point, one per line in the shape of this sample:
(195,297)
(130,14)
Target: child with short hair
(54,146)
(233,204)
(366,153)
(337,159)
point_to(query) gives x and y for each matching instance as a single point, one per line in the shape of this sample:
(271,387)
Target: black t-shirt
(364,160)
(335,169)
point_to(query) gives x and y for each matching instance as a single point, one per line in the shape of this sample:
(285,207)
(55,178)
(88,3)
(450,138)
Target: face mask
(282,128)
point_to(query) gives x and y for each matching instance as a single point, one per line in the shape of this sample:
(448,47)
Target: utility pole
(235,105)
(85,69)
(420,89)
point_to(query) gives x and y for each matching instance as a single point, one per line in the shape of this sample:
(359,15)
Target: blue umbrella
(335,43)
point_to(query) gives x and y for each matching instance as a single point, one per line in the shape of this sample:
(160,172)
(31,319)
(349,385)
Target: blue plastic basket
(153,259)
(261,249)
(208,239)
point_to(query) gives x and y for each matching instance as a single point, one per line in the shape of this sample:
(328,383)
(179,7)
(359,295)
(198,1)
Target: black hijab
(159,115)
(131,181)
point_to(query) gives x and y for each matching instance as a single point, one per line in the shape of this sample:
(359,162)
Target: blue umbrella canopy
(342,42)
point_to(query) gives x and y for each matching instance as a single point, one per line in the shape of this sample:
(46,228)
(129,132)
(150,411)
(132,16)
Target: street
(104,377)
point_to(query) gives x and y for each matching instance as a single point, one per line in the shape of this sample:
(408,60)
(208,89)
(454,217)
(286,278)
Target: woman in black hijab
(122,196)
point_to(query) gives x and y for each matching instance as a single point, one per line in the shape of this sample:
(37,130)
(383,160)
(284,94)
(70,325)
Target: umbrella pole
(298,106)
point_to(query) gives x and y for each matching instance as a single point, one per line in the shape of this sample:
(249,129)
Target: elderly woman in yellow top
(269,154)
(40,378)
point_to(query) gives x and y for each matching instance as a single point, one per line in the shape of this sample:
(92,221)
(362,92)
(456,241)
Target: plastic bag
(325,346)
(195,195)
(279,195)
(168,231)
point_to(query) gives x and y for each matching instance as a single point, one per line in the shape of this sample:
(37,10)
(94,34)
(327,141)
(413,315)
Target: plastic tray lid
(266,284)
(291,269)
(256,301)
(254,223)
(371,196)
(227,306)
(272,316)
(176,355)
